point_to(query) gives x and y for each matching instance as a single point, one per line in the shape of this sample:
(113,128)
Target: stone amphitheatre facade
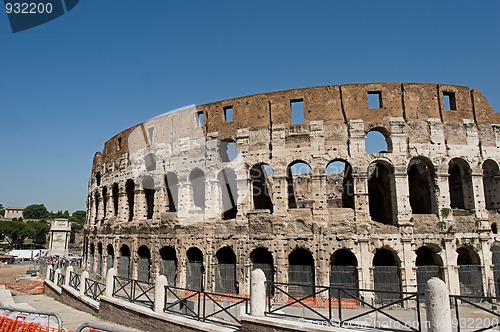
(283,181)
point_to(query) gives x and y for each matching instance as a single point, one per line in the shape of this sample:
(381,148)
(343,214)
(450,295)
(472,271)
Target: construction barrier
(8,324)
(30,289)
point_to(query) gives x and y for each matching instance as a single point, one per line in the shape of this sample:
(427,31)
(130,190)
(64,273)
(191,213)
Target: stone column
(213,203)
(451,264)
(161,200)
(409,258)
(92,216)
(122,206)
(110,209)
(486,266)
(100,210)
(110,280)
(437,300)
(140,208)
(365,265)
(444,202)
(479,198)
(402,208)
(280,195)
(258,293)
(319,193)
(159,301)
(361,206)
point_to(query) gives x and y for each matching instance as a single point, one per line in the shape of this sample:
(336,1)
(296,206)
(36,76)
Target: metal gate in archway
(194,276)
(424,273)
(169,270)
(124,267)
(471,280)
(99,264)
(268,272)
(387,278)
(225,280)
(143,269)
(346,277)
(301,280)
(109,262)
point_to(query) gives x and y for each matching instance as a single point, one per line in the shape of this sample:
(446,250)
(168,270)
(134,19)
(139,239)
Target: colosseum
(372,186)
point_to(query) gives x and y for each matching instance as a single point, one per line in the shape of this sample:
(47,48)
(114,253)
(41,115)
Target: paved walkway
(71,318)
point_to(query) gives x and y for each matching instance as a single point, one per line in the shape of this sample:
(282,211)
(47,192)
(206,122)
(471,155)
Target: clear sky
(71,84)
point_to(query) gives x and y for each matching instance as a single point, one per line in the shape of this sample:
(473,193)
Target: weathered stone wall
(412,117)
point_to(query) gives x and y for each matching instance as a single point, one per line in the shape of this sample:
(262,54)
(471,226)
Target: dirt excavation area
(14,277)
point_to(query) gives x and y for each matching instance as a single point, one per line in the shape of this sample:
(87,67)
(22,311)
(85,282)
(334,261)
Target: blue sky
(69,85)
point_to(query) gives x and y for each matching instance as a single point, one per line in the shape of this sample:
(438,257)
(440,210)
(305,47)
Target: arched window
(228,150)
(144,264)
(197,180)
(168,266)
(378,140)
(460,184)
(301,273)
(148,185)
(150,162)
(339,184)
(116,193)
(469,272)
(172,186)
(422,186)
(261,175)
(229,193)
(92,257)
(225,278)
(490,184)
(98,178)
(381,193)
(104,201)
(96,203)
(99,258)
(194,269)
(130,190)
(299,178)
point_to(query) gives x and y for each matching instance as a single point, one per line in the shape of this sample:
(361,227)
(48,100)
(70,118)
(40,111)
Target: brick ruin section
(156,193)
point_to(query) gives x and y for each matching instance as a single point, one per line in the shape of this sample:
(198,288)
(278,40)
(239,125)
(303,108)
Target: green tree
(2,210)
(35,211)
(14,231)
(37,231)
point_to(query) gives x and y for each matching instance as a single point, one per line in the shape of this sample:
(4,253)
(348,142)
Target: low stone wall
(75,300)
(52,291)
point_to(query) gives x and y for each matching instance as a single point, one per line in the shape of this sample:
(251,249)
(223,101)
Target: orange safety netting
(8,324)
(31,288)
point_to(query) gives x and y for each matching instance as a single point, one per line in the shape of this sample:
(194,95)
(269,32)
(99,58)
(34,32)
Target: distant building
(13,212)
(59,237)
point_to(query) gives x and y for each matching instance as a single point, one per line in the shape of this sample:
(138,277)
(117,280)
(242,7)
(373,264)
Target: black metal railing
(134,291)
(204,306)
(74,280)
(60,279)
(349,308)
(475,316)
(52,275)
(94,289)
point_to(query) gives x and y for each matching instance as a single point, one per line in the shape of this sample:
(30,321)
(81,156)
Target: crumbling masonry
(284,181)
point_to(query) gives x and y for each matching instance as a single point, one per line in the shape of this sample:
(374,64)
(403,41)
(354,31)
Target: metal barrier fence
(478,314)
(348,308)
(134,291)
(60,279)
(94,289)
(74,280)
(206,306)
(97,327)
(35,316)
(52,275)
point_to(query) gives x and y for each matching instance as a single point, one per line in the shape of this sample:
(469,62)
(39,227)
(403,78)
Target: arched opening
(104,201)
(194,269)
(225,278)
(262,259)
(460,184)
(494,228)
(490,184)
(495,253)
(228,151)
(197,180)
(144,264)
(429,265)
(344,272)
(299,178)
(92,257)
(96,203)
(386,275)
(469,272)
(150,162)
(339,184)
(422,186)
(168,266)
(301,276)
(130,190)
(381,193)
(110,258)
(115,193)
(98,178)
(378,140)
(124,263)
(148,185)
(229,193)
(172,186)
(99,258)
(262,186)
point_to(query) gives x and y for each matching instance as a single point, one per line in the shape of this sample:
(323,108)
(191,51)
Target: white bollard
(258,293)
(49,269)
(83,281)
(67,277)
(110,281)
(437,301)
(160,283)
